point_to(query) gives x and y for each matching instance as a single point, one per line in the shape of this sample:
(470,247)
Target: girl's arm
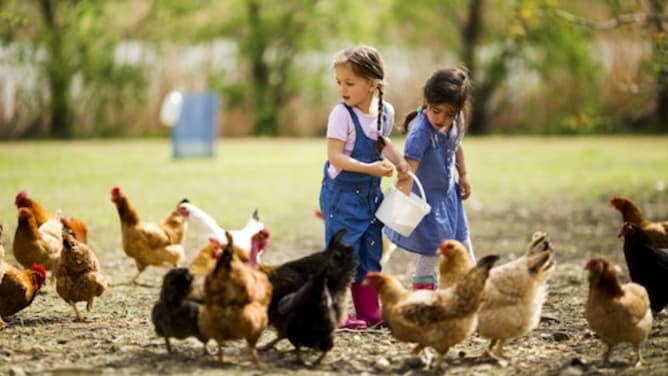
(406,185)
(391,153)
(464,186)
(340,160)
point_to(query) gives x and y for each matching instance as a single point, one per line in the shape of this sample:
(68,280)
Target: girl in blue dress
(433,149)
(357,140)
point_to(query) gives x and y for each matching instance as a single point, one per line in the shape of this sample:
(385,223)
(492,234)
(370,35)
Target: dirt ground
(117,336)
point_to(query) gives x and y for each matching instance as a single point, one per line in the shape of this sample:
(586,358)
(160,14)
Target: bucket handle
(415,179)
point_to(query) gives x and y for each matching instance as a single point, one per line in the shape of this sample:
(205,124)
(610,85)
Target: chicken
(308,317)
(18,288)
(616,313)
(515,295)
(455,263)
(438,319)
(33,244)
(309,297)
(236,298)
(209,254)
(173,315)
(78,276)
(648,266)
(41,216)
(149,243)
(204,227)
(657,232)
(205,260)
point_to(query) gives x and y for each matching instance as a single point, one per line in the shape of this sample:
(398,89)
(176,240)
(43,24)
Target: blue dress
(435,151)
(350,201)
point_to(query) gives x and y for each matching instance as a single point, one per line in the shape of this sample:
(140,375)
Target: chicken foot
(269,345)
(639,358)
(76,310)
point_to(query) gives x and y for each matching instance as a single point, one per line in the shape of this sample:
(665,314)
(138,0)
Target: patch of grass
(281,177)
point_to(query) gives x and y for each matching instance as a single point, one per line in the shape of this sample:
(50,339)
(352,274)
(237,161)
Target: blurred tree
(274,38)
(73,45)
(495,40)
(651,16)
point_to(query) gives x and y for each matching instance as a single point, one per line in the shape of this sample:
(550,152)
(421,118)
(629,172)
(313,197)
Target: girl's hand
(380,168)
(464,187)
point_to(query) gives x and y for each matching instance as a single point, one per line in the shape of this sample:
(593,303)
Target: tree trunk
(58,76)
(470,36)
(660,56)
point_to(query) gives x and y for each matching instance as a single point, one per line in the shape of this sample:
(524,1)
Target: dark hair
(365,61)
(449,85)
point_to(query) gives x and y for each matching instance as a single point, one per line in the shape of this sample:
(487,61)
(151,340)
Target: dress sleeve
(417,141)
(338,125)
(389,113)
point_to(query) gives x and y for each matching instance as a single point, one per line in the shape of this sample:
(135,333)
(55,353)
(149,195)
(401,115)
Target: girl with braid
(357,140)
(433,149)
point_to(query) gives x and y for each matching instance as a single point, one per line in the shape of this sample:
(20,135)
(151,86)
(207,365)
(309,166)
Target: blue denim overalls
(350,201)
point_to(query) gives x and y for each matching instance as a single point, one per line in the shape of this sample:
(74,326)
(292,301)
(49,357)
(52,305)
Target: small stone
(560,336)
(571,371)
(381,363)
(17,371)
(414,362)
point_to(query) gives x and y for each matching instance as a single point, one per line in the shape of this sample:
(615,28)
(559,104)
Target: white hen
(205,226)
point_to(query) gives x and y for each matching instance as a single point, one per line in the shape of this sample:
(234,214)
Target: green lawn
(281,177)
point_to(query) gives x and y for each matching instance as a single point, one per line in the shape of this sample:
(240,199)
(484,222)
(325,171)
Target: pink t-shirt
(341,127)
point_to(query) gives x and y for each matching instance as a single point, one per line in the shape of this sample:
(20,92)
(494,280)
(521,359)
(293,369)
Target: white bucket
(400,212)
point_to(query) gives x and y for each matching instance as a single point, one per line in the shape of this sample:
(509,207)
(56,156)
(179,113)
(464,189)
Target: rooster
(149,243)
(515,295)
(616,313)
(33,244)
(41,216)
(437,319)
(204,227)
(657,232)
(236,298)
(18,288)
(648,266)
(77,272)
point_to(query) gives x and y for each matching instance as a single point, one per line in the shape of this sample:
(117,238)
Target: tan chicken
(236,298)
(455,263)
(149,243)
(516,292)
(78,277)
(18,288)
(207,257)
(41,216)
(616,313)
(437,319)
(657,232)
(34,244)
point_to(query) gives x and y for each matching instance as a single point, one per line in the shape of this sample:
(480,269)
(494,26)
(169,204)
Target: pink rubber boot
(429,282)
(367,304)
(367,307)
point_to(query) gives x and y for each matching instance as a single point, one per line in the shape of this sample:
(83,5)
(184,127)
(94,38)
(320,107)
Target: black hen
(648,266)
(173,314)
(308,318)
(336,264)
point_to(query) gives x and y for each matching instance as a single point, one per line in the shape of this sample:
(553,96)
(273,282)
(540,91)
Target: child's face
(356,91)
(441,115)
